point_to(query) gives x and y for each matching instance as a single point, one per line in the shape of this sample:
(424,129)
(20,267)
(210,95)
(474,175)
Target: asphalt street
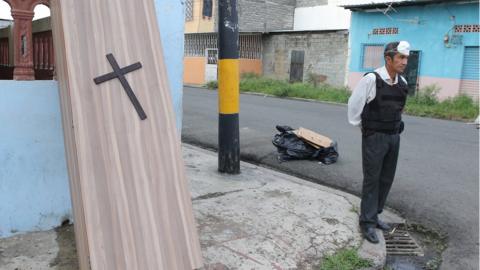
(437,181)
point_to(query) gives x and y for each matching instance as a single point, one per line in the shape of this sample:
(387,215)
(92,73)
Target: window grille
(385,31)
(467,28)
(372,56)
(188,10)
(250,45)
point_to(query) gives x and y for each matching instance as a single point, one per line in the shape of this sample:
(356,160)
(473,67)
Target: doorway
(211,65)
(411,72)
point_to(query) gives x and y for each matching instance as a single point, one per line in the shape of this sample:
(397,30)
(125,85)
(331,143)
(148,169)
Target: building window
(372,56)
(467,28)
(188,10)
(196,44)
(385,31)
(469,83)
(207,9)
(250,46)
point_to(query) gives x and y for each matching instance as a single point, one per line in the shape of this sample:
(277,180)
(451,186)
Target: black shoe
(383,226)
(370,234)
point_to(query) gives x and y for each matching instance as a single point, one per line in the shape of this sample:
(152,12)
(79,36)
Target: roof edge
(354,7)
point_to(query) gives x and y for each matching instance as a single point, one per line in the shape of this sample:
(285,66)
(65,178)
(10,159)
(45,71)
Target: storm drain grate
(400,243)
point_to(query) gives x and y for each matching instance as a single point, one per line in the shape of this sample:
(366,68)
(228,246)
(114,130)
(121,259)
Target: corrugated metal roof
(5,23)
(351,4)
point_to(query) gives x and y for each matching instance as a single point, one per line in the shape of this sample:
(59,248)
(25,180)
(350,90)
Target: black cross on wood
(120,74)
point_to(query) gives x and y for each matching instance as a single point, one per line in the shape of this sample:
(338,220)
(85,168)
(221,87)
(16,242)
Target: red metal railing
(43,55)
(4,52)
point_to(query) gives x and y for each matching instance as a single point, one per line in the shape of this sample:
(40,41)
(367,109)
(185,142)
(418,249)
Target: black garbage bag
(291,147)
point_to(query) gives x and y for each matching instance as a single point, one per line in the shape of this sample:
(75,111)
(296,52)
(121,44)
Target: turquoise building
(444,38)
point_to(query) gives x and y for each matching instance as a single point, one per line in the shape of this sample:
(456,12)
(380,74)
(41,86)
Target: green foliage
(281,88)
(425,103)
(346,259)
(428,95)
(250,75)
(212,85)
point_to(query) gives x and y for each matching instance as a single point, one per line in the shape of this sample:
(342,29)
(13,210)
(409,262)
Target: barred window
(385,31)
(188,10)
(196,44)
(251,46)
(467,28)
(372,56)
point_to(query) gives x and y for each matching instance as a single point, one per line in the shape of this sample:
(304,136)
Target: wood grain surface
(131,201)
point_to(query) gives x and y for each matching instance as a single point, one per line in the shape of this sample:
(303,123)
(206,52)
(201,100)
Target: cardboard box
(314,139)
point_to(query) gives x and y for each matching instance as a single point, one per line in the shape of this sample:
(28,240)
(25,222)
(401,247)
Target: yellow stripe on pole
(228,86)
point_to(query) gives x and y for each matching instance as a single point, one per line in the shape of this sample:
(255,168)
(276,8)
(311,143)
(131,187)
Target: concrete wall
(253,16)
(34,193)
(170,15)
(325,54)
(265,15)
(311,3)
(424,27)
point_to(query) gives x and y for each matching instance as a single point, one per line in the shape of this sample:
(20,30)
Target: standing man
(376,106)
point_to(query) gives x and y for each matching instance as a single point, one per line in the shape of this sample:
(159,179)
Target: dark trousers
(379,156)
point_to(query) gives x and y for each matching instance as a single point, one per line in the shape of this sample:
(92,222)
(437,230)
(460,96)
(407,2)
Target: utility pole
(228,88)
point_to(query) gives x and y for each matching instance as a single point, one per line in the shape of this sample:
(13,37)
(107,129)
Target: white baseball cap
(403,48)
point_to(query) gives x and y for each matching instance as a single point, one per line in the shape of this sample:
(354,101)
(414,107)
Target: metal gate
(211,56)
(411,71)
(469,83)
(296,66)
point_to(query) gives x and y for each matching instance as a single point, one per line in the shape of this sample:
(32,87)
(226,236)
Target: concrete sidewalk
(260,219)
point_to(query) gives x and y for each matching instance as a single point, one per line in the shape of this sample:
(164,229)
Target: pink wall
(449,87)
(353,79)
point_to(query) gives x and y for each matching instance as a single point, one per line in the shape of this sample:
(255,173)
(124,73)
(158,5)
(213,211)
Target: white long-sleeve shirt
(364,92)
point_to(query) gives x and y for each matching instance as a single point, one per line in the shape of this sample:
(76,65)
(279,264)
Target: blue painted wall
(436,60)
(34,192)
(171,21)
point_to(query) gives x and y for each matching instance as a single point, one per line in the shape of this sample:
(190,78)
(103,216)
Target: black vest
(384,112)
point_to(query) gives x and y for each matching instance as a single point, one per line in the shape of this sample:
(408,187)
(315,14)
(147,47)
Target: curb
(272,96)
(258,160)
(376,253)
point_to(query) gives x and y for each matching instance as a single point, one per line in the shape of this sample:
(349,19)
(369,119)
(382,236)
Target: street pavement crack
(215,195)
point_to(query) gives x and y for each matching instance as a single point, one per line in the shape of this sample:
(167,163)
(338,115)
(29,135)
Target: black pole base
(228,144)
